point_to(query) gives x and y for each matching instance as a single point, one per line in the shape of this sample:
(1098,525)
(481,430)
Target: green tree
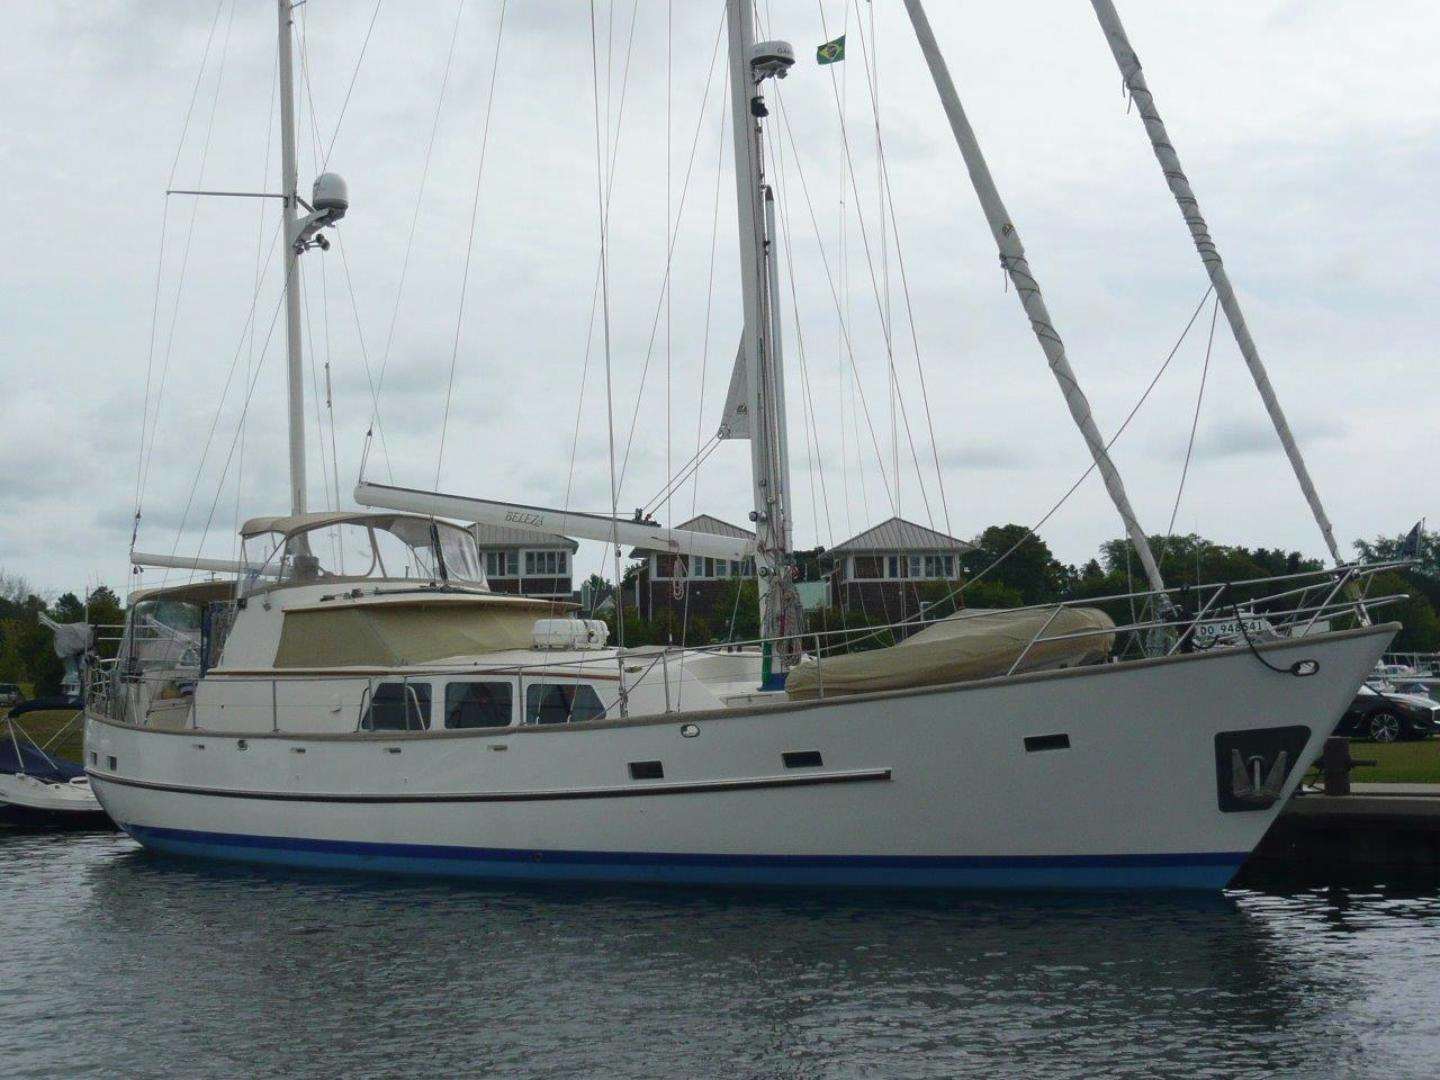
(1026,565)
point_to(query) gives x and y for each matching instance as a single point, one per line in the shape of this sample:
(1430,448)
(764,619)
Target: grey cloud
(1239,438)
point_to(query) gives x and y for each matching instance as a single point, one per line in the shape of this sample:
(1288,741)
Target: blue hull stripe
(1201,870)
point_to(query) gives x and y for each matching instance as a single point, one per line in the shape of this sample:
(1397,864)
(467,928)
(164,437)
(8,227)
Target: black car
(1386,716)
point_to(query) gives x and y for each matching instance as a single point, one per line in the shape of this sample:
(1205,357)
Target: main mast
(780,613)
(1013,260)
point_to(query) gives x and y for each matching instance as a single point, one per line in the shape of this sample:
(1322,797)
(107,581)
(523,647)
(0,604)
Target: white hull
(29,800)
(931,787)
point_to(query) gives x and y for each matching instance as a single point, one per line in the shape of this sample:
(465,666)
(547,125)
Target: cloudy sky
(1308,127)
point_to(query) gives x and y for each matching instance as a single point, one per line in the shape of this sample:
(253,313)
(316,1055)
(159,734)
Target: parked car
(10,694)
(1387,716)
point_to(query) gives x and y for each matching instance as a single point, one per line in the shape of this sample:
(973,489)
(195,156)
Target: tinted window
(479,704)
(398,706)
(554,703)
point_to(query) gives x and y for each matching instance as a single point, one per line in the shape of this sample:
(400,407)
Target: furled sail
(735,420)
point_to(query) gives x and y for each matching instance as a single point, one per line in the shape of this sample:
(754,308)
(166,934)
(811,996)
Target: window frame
(533,709)
(417,698)
(493,684)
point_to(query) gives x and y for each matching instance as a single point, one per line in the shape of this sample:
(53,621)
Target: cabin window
(545,563)
(398,706)
(478,704)
(500,564)
(561,703)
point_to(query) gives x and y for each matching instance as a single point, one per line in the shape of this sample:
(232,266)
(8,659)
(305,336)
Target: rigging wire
(259,250)
(601,211)
(959,590)
(345,104)
(147,455)
(414,223)
(705,368)
(679,213)
(376,425)
(1195,421)
(910,312)
(224,393)
(470,238)
(830,278)
(244,412)
(612,157)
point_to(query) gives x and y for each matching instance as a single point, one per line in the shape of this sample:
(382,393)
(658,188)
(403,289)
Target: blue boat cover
(23,757)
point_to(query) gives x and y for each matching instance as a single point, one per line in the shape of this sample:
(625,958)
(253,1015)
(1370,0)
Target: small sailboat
(39,789)
(392,713)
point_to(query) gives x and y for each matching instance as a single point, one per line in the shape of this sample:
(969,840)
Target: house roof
(897,534)
(703,523)
(495,536)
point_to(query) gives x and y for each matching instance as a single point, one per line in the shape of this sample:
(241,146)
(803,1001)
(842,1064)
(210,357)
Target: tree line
(1006,568)
(27,646)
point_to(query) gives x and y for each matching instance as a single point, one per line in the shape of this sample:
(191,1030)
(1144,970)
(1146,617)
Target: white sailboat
(405,718)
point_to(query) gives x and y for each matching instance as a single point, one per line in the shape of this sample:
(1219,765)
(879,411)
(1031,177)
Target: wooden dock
(1379,833)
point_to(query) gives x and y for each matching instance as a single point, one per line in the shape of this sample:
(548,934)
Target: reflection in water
(120,961)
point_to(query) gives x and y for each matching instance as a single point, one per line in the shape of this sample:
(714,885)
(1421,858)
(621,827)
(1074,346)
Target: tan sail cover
(396,635)
(967,645)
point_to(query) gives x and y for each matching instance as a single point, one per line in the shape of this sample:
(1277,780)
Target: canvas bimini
(363,700)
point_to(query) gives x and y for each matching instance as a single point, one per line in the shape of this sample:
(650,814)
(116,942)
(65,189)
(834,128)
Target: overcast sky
(1308,128)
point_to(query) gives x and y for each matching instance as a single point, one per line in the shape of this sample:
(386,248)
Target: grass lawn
(41,726)
(1399,763)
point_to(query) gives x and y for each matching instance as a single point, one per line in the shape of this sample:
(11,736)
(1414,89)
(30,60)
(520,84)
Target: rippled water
(118,962)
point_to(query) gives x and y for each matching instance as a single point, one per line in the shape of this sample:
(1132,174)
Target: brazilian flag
(832,52)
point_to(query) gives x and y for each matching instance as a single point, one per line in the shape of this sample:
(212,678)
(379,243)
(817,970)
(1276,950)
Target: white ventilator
(1012,258)
(1205,244)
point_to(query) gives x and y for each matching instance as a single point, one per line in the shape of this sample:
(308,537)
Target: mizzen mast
(330,199)
(1012,258)
(1175,177)
(289,185)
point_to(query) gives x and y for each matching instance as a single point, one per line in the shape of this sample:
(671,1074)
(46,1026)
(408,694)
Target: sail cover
(970,644)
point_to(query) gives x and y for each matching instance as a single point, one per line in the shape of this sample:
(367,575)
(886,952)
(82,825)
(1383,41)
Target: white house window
(939,566)
(545,563)
(500,564)
(702,568)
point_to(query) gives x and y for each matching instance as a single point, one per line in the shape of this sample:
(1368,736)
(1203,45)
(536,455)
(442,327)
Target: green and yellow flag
(831,52)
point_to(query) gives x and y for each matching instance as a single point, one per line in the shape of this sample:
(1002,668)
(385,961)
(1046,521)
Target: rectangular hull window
(647,770)
(802,759)
(1034,743)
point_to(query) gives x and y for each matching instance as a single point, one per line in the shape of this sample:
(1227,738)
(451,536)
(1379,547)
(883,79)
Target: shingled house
(880,570)
(666,579)
(530,563)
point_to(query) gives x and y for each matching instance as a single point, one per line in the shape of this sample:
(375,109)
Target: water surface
(117,962)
